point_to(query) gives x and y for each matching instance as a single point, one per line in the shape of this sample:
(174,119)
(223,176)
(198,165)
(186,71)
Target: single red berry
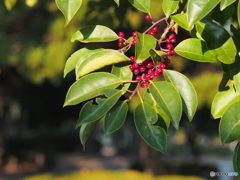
(134,42)
(172,52)
(172,29)
(149,65)
(135,65)
(131,67)
(162,66)
(169,53)
(152,76)
(168,40)
(155,29)
(173,40)
(120,44)
(155,74)
(150,71)
(158,70)
(171,36)
(147,17)
(121,34)
(121,40)
(142,69)
(132,58)
(134,34)
(146,76)
(169,46)
(138,78)
(151,33)
(135,71)
(145,84)
(167,61)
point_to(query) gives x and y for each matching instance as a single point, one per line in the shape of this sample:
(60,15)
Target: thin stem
(154,24)
(134,92)
(161,40)
(127,47)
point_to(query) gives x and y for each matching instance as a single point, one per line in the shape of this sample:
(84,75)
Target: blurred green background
(38,136)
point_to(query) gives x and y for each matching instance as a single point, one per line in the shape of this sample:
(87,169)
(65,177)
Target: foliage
(105,175)
(214,29)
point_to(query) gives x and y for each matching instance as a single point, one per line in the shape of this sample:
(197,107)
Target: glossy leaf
(168,98)
(222,15)
(144,43)
(236,79)
(156,56)
(163,118)
(115,118)
(85,131)
(90,86)
(75,57)
(91,112)
(154,136)
(185,89)
(198,9)
(223,99)
(9,4)
(170,7)
(195,49)
(217,39)
(226,3)
(141,5)
(124,74)
(95,33)
(69,8)
(97,60)
(230,124)
(236,159)
(181,20)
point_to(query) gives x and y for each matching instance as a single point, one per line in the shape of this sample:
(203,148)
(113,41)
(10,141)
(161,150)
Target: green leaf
(124,74)
(90,86)
(76,56)
(185,89)
(85,131)
(170,7)
(236,79)
(226,3)
(181,20)
(141,5)
(115,118)
(195,49)
(91,112)
(154,136)
(156,56)
(9,4)
(95,33)
(163,118)
(236,159)
(143,44)
(223,99)
(117,2)
(69,8)
(238,13)
(230,124)
(97,60)
(168,98)
(222,16)
(217,39)
(198,9)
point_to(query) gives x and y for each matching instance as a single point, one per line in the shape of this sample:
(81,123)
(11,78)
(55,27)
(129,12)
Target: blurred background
(38,136)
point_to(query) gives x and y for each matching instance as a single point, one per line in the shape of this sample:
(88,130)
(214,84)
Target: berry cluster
(170,40)
(147,70)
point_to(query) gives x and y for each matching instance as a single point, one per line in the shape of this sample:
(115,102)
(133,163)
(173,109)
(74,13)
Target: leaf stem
(134,92)
(154,24)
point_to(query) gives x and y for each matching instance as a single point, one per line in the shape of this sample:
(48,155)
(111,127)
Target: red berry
(121,40)
(138,78)
(158,69)
(150,71)
(169,46)
(135,65)
(145,84)
(134,34)
(135,71)
(131,67)
(155,74)
(149,65)
(155,29)
(168,40)
(147,76)
(134,42)
(173,40)
(167,61)
(162,66)
(152,76)
(172,29)
(132,58)
(142,69)
(147,17)
(172,52)
(171,36)
(121,34)
(151,33)
(169,53)
(120,44)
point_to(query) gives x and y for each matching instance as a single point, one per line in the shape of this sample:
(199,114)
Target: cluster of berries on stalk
(148,69)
